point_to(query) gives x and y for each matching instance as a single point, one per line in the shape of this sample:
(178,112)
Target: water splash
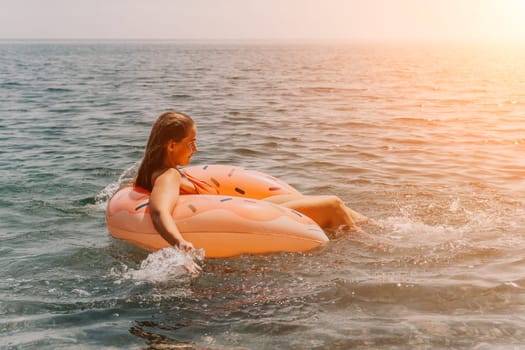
(416,226)
(165,264)
(412,231)
(101,198)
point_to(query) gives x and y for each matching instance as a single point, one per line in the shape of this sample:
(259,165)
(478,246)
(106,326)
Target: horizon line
(285,40)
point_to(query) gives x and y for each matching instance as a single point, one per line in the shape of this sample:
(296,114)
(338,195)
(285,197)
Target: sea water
(426,141)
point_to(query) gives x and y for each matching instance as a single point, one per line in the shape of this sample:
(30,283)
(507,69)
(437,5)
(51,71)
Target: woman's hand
(191,266)
(185,245)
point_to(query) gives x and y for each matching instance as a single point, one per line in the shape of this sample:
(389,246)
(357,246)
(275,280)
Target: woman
(172,143)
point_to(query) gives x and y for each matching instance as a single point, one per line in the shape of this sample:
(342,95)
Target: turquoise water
(428,141)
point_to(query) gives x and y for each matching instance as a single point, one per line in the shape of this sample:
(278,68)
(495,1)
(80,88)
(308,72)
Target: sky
(365,21)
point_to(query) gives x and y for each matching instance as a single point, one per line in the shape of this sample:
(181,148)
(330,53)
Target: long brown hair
(168,126)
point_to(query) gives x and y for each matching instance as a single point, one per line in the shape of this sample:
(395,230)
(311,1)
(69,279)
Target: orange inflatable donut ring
(236,181)
(224,225)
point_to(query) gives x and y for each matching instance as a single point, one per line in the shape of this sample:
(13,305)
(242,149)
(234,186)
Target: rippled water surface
(427,141)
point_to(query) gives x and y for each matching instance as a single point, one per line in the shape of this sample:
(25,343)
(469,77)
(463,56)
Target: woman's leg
(297,201)
(358,218)
(326,211)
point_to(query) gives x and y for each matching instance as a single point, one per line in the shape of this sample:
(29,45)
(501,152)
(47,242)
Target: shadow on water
(151,333)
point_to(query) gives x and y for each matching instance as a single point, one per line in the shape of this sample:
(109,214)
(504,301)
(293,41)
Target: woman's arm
(162,202)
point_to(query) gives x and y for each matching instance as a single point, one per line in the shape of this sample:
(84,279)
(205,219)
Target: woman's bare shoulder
(166,176)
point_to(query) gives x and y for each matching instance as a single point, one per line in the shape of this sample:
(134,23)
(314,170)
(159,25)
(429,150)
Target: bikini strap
(201,186)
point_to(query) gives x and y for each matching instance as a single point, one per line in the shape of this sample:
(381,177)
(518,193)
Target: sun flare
(509,17)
